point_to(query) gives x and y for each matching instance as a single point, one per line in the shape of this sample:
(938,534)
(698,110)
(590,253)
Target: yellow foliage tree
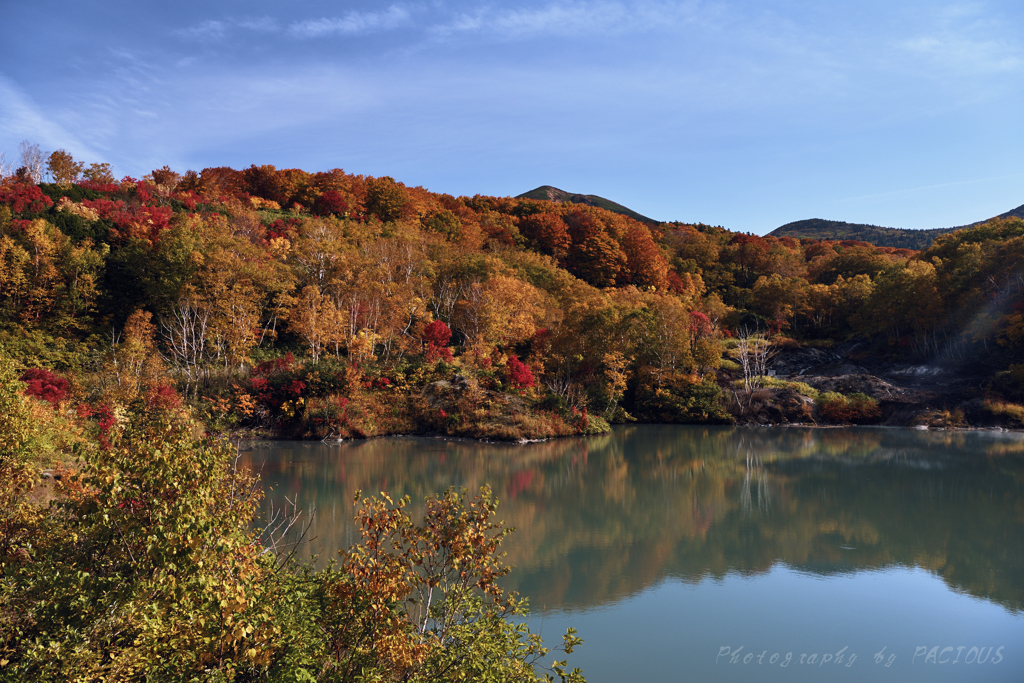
(63,168)
(133,361)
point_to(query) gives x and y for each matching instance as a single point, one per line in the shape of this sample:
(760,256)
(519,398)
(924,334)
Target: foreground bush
(421,602)
(146,569)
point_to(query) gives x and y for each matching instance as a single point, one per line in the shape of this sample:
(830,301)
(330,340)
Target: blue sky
(742,114)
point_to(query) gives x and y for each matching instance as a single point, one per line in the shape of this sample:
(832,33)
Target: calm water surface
(729,554)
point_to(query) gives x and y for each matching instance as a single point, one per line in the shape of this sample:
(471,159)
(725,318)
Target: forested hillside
(819,229)
(553,194)
(316,304)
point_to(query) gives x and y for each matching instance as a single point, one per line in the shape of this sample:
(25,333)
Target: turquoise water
(696,553)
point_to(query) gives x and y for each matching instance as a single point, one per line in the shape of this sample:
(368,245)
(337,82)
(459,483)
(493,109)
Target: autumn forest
(327,304)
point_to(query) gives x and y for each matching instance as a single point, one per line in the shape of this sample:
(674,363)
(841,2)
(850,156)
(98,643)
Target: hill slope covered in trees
(331,304)
(819,229)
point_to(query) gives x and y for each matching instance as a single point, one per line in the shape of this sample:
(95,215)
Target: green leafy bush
(146,569)
(799,387)
(683,402)
(852,409)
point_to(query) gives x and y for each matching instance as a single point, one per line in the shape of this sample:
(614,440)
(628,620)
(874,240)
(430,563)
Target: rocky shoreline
(908,395)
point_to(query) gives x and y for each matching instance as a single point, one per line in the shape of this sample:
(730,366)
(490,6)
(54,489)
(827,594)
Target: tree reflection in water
(602,518)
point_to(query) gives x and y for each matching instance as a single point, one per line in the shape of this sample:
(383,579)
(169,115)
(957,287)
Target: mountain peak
(553,194)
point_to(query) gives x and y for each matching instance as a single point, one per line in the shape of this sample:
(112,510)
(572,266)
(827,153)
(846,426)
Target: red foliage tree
(22,198)
(145,222)
(519,374)
(269,183)
(548,231)
(330,202)
(700,325)
(437,335)
(645,264)
(106,420)
(222,181)
(595,256)
(45,385)
(163,397)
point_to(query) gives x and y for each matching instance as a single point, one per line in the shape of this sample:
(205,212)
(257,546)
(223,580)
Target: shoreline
(251,440)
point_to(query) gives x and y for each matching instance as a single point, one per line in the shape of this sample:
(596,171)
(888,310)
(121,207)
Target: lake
(728,554)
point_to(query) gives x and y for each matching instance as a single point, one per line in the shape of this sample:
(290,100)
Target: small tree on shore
(756,351)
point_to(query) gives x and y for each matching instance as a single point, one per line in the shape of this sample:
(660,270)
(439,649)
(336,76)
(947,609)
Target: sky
(748,115)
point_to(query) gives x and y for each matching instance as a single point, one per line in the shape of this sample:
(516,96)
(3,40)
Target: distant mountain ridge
(820,229)
(553,194)
(813,228)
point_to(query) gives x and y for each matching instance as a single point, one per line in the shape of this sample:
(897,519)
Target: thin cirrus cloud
(205,30)
(552,19)
(575,18)
(261,25)
(352,23)
(964,39)
(964,53)
(555,19)
(23,118)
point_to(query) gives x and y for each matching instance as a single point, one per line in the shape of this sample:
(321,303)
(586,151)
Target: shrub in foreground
(147,569)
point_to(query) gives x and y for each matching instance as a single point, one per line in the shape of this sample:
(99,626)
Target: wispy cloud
(592,18)
(352,23)
(261,25)
(559,18)
(218,29)
(204,31)
(24,120)
(573,18)
(964,53)
(964,39)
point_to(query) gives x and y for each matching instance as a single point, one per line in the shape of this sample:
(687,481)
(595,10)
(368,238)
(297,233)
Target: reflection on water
(602,518)
(665,544)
